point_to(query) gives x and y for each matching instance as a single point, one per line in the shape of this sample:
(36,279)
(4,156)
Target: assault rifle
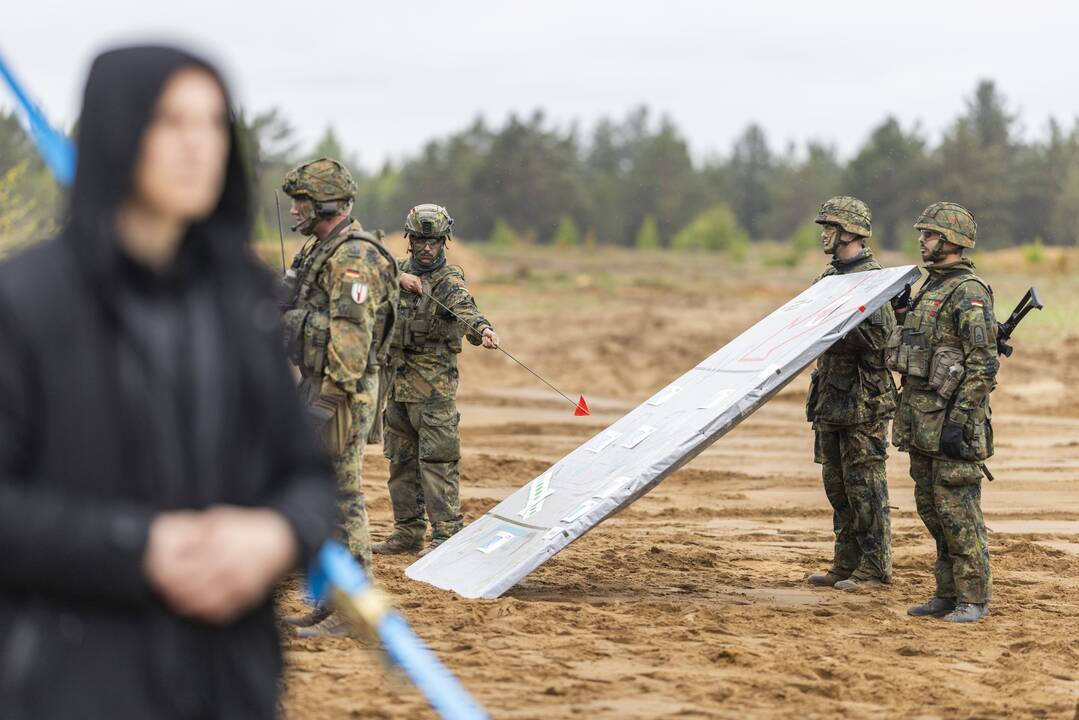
(1030,301)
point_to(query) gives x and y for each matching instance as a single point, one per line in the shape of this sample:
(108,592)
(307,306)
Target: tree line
(634,181)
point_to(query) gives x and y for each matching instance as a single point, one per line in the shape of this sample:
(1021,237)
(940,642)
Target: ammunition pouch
(946,370)
(913,357)
(316,339)
(332,417)
(430,332)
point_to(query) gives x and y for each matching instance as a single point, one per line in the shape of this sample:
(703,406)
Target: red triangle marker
(582,408)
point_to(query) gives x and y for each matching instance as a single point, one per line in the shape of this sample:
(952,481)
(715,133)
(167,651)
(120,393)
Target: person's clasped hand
(217,564)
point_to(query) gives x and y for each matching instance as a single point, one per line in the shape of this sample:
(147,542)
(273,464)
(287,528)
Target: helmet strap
(838,241)
(829,249)
(938,252)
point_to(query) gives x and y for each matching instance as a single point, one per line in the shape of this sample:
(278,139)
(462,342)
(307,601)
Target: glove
(902,300)
(951,440)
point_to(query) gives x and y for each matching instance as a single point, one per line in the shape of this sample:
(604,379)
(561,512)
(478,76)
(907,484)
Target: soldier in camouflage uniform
(945,351)
(851,398)
(423,443)
(340,305)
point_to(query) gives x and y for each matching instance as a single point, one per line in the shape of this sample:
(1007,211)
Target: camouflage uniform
(338,321)
(851,398)
(423,442)
(945,351)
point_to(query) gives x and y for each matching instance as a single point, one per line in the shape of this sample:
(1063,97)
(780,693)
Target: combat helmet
(849,213)
(428,221)
(951,220)
(322,180)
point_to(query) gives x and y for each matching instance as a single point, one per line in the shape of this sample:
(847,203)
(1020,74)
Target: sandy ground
(692,602)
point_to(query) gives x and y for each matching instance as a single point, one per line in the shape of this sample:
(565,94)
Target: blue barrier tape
(56,150)
(336,574)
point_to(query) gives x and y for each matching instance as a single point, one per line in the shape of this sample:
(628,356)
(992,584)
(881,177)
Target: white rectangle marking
(614,486)
(719,397)
(580,512)
(664,395)
(501,538)
(601,443)
(638,436)
(768,372)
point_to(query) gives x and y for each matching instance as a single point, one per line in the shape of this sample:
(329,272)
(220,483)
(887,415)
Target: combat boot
(937,607)
(435,542)
(398,544)
(332,626)
(827,579)
(314,617)
(967,613)
(859,580)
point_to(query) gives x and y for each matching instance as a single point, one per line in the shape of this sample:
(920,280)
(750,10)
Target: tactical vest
(308,323)
(924,347)
(422,324)
(929,354)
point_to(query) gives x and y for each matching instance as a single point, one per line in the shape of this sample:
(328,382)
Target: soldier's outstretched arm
(355,289)
(454,294)
(976,325)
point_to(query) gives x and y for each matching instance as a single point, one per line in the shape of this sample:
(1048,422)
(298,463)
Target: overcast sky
(390,76)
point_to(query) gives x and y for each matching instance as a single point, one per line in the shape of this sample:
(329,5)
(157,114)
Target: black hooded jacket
(124,393)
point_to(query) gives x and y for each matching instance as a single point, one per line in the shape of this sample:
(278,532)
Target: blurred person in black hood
(157,475)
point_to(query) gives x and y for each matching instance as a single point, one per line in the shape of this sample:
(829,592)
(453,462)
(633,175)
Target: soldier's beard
(425,267)
(934,255)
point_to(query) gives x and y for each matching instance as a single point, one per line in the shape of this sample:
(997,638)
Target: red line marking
(824,312)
